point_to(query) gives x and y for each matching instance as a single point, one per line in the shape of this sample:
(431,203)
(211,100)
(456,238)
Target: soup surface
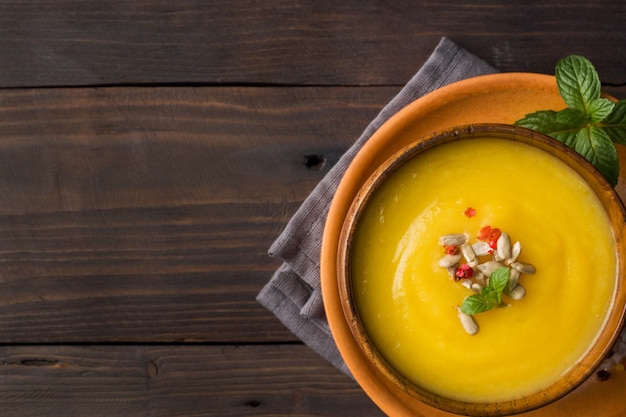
(407,302)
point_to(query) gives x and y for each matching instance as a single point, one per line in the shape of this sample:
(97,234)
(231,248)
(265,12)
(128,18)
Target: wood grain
(145,215)
(289,42)
(175,381)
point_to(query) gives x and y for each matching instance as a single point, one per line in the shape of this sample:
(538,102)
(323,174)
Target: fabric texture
(293,294)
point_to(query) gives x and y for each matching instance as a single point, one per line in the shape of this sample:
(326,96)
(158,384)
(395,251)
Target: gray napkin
(293,293)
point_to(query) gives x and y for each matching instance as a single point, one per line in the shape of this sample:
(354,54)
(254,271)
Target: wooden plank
(171,381)
(292,42)
(144,215)
(615,91)
(221,381)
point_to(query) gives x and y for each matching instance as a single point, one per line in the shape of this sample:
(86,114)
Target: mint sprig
(490,296)
(590,125)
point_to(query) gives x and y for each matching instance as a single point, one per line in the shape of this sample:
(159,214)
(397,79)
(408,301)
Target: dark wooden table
(151,151)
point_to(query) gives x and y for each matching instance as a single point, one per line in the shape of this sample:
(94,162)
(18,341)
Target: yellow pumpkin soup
(408,302)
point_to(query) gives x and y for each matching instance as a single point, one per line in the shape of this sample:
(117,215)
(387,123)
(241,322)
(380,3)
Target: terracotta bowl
(402,137)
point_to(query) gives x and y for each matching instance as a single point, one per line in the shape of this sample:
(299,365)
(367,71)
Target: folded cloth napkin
(293,293)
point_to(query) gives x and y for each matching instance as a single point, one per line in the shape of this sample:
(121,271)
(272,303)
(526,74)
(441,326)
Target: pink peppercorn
(464,271)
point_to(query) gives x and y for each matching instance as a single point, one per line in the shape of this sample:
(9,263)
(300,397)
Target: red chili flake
(470,212)
(463,272)
(451,250)
(493,238)
(484,233)
(488,233)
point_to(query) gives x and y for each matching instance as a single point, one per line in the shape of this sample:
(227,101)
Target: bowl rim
(614,319)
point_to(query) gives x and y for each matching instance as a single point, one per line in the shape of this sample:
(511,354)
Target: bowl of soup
(479,271)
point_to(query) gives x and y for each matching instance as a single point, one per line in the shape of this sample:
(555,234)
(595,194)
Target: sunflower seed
(518,292)
(488,267)
(503,248)
(468,253)
(453,239)
(515,252)
(476,287)
(449,260)
(452,270)
(514,275)
(481,248)
(479,277)
(467,321)
(524,268)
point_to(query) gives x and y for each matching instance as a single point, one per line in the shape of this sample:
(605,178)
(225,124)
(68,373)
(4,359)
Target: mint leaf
(568,137)
(591,124)
(475,304)
(595,145)
(570,118)
(498,281)
(578,82)
(563,125)
(544,121)
(551,123)
(615,124)
(491,295)
(599,109)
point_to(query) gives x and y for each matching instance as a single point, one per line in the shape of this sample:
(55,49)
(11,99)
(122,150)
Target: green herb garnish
(491,295)
(591,125)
